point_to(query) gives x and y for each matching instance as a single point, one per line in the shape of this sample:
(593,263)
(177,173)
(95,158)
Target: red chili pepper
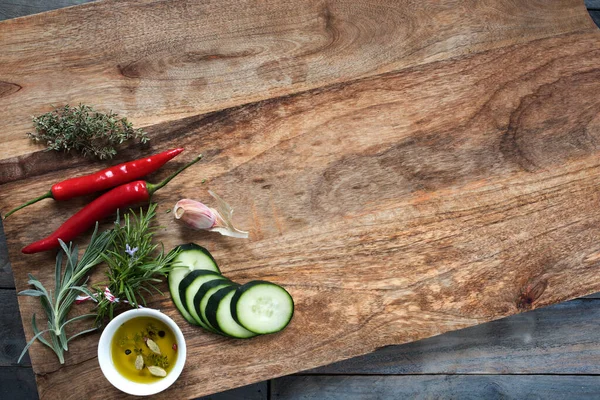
(122,196)
(105,179)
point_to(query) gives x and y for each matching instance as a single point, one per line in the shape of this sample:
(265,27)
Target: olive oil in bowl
(120,369)
(144,349)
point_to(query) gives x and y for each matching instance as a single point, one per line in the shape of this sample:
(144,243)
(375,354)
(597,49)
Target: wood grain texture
(164,60)
(560,339)
(446,193)
(434,387)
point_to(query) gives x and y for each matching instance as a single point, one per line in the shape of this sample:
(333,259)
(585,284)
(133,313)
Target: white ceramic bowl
(119,381)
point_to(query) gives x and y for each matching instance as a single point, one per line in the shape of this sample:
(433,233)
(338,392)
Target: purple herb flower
(129,250)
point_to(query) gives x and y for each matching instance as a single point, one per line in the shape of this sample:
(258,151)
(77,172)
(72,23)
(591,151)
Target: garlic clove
(157,371)
(139,362)
(199,216)
(153,346)
(194,214)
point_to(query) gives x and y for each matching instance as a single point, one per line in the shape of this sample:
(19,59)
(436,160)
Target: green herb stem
(135,263)
(153,188)
(68,284)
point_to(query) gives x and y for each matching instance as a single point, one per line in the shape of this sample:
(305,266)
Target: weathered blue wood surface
(462,387)
(592,4)
(596,16)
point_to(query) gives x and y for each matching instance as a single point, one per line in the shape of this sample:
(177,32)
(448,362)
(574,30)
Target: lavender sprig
(68,284)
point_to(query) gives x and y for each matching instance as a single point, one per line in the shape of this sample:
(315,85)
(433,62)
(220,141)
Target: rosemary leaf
(134,262)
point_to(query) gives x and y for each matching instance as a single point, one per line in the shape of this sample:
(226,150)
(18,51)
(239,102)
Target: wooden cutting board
(404,168)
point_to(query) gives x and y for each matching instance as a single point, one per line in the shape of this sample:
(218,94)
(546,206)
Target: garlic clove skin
(199,216)
(194,214)
(223,223)
(230,231)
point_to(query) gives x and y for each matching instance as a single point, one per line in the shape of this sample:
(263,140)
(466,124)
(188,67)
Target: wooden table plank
(155,61)
(257,391)
(6,277)
(432,387)
(12,340)
(19,8)
(18,383)
(596,16)
(592,4)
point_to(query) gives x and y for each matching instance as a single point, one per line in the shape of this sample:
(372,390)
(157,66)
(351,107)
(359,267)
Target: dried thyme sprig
(68,285)
(84,130)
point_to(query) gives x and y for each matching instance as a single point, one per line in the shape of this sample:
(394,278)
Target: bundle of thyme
(135,264)
(84,130)
(68,285)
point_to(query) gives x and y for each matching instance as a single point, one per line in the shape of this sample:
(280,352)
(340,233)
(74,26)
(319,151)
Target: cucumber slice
(218,313)
(262,307)
(189,279)
(204,293)
(192,257)
(195,280)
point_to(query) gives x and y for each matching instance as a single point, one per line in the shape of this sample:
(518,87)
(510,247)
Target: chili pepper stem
(30,202)
(153,188)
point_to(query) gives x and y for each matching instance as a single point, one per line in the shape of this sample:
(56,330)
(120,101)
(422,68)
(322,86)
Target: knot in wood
(530,293)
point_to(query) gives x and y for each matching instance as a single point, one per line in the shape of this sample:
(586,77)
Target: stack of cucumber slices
(208,299)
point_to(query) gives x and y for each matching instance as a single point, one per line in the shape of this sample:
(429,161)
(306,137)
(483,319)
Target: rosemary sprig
(68,284)
(84,130)
(135,264)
